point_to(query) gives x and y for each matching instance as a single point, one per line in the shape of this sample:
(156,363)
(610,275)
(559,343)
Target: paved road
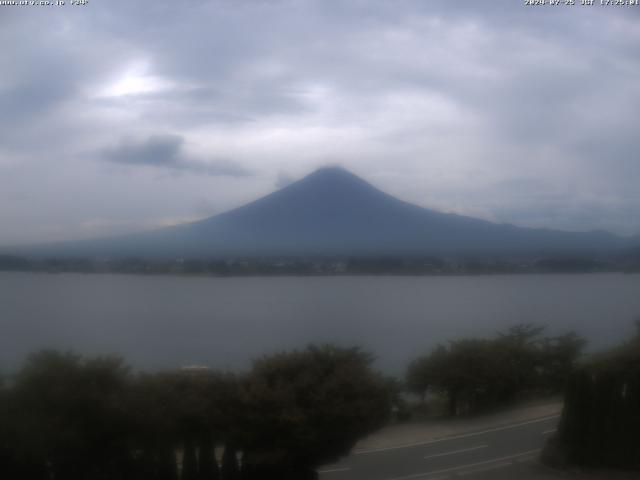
(506,452)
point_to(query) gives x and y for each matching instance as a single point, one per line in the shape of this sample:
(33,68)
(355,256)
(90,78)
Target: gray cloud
(523,115)
(167,151)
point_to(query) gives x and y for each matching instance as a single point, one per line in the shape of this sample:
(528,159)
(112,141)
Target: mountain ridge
(334,212)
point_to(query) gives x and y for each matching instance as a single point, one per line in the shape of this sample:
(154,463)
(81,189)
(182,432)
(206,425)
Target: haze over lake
(169,321)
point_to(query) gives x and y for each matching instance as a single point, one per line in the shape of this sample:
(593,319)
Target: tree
(559,356)
(425,373)
(480,374)
(69,417)
(207,466)
(230,468)
(309,407)
(600,423)
(175,411)
(90,419)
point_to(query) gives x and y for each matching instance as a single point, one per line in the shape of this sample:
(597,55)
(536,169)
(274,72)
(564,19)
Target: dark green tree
(153,413)
(70,416)
(600,424)
(426,372)
(481,374)
(189,462)
(230,468)
(309,407)
(207,466)
(558,358)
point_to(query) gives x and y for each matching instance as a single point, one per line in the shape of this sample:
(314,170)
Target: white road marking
(456,451)
(455,437)
(499,461)
(334,470)
(547,432)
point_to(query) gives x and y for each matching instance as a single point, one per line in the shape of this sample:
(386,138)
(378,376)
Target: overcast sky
(119,116)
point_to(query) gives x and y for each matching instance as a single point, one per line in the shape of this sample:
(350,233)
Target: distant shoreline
(320,275)
(326,266)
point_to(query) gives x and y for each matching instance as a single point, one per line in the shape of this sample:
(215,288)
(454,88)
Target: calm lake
(170,321)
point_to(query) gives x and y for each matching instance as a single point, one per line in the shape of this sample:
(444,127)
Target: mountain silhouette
(334,212)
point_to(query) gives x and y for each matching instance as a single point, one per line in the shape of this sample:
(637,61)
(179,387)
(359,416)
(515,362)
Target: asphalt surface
(505,452)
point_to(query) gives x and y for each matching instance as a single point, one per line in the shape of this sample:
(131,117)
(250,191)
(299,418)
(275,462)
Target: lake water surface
(169,321)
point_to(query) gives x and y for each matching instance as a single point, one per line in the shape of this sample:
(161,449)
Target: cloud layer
(167,151)
(146,111)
